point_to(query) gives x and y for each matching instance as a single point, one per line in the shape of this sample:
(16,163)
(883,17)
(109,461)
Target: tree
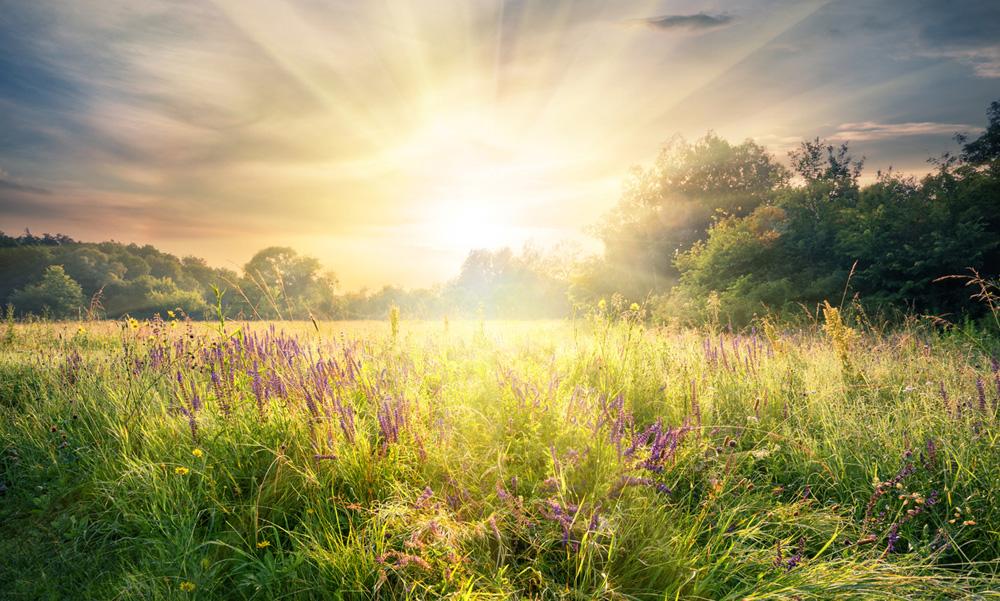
(56,294)
(91,267)
(504,284)
(278,282)
(986,148)
(891,241)
(146,296)
(818,161)
(664,210)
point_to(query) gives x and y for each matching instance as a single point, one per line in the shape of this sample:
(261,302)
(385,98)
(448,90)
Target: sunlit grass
(587,459)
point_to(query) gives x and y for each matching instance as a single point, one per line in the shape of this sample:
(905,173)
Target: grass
(548,460)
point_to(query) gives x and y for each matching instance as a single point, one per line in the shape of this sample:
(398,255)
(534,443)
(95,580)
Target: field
(595,459)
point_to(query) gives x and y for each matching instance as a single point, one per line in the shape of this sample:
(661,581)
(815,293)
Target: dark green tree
(56,294)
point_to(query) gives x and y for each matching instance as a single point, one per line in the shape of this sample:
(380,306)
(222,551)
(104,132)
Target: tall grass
(598,459)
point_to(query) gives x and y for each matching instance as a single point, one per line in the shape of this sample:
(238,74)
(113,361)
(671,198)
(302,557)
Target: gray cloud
(964,31)
(696,22)
(7,185)
(875,130)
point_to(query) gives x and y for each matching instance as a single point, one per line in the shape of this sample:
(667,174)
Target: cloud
(9,185)
(960,30)
(696,22)
(985,61)
(874,130)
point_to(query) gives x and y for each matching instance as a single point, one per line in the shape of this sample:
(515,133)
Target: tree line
(715,230)
(710,231)
(57,277)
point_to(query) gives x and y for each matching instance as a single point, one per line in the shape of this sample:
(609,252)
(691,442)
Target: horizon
(389,142)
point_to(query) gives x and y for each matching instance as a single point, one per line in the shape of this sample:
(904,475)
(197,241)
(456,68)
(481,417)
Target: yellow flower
(263,544)
(197,452)
(187,586)
(634,308)
(602,304)
(170,314)
(181,471)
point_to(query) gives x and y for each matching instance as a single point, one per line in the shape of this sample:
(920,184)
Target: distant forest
(711,231)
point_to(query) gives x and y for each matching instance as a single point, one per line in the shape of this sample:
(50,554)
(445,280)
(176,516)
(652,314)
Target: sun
(470,183)
(464,227)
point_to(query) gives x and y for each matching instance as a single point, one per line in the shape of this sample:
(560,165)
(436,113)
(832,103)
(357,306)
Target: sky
(389,138)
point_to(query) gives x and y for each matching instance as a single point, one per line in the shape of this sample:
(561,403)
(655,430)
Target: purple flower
(595,520)
(792,561)
(424,496)
(391,419)
(502,493)
(930,454)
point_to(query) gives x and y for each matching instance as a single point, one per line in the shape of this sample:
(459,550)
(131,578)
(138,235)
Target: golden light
(377,135)
(472,180)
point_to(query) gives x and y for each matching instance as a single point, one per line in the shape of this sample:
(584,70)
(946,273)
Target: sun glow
(473,184)
(389,138)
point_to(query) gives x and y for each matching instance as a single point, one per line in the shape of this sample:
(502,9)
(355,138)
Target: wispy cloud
(6,184)
(985,61)
(9,184)
(874,130)
(695,22)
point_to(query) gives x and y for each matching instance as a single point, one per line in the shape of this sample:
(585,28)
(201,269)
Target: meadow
(598,458)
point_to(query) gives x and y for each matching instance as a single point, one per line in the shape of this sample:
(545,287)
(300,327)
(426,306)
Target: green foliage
(125,279)
(897,241)
(984,150)
(667,208)
(56,294)
(147,295)
(279,283)
(889,243)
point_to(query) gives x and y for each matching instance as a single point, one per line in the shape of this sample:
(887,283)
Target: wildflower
(969,523)
(187,586)
(170,314)
(502,493)
(424,497)
(263,544)
(840,334)
(181,471)
(602,305)
(197,452)
(634,307)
